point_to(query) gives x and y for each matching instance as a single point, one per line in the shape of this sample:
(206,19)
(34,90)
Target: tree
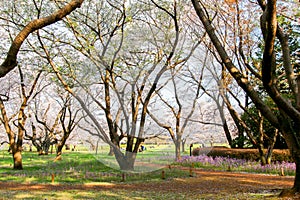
(68,121)
(265,134)
(257,136)
(15,137)
(10,61)
(217,95)
(289,118)
(122,75)
(45,136)
(182,109)
(54,123)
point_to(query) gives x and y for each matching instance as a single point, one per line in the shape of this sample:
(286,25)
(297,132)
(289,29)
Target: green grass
(83,167)
(39,169)
(75,168)
(154,158)
(118,194)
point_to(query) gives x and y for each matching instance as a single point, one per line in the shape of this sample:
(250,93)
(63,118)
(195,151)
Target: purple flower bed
(223,163)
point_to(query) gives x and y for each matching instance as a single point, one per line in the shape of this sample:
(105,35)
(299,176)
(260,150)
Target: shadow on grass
(74,168)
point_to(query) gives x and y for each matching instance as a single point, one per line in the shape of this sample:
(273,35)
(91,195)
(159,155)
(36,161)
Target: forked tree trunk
(126,162)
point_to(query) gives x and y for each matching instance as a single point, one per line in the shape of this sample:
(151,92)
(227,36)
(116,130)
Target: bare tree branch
(10,61)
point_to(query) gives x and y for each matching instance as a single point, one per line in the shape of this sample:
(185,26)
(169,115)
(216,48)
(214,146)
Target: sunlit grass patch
(74,168)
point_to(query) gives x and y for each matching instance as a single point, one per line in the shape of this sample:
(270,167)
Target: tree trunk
(269,155)
(297,176)
(17,156)
(183,145)
(97,146)
(61,144)
(59,151)
(38,147)
(111,151)
(292,141)
(227,133)
(260,144)
(262,156)
(289,115)
(34,140)
(271,147)
(296,188)
(46,147)
(126,162)
(177,148)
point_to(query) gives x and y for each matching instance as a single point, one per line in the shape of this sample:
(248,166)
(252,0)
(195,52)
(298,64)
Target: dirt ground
(202,182)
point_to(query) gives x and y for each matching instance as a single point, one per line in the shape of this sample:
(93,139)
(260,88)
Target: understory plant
(233,164)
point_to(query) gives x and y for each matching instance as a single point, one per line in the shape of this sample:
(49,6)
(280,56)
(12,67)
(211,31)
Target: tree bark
(290,115)
(10,61)
(183,145)
(271,147)
(59,151)
(297,176)
(260,144)
(227,133)
(17,157)
(293,145)
(178,148)
(233,70)
(126,162)
(61,144)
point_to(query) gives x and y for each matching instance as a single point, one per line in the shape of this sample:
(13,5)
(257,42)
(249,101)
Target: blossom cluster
(232,164)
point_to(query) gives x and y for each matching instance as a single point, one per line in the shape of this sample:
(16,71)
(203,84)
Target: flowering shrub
(233,164)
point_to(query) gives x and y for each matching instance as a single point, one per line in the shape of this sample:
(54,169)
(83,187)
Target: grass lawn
(80,175)
(118,194)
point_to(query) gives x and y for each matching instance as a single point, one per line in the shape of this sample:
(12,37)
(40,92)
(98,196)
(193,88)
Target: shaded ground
(202,184)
